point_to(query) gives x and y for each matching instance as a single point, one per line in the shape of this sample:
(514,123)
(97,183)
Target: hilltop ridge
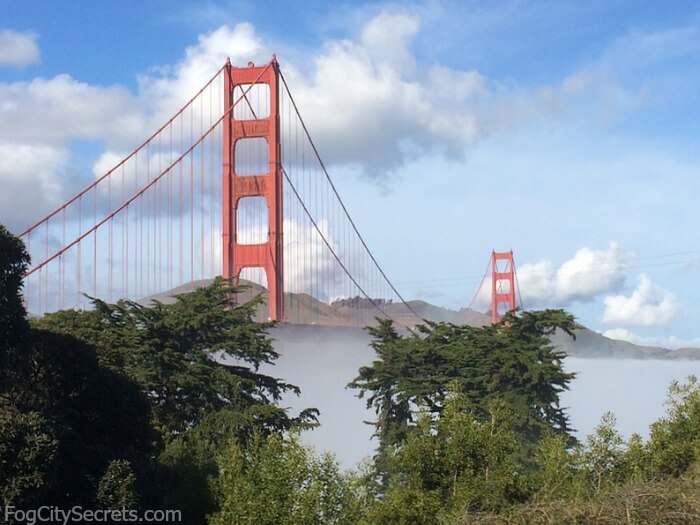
(355,313)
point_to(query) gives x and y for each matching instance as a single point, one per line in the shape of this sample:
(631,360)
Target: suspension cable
(478,288)
(121,163)
(141,191)
(330,248)
(342,204)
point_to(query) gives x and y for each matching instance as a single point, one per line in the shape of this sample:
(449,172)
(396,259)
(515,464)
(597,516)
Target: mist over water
(322,360)
(634,390)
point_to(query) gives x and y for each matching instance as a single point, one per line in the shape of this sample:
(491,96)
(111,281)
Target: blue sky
(567,131)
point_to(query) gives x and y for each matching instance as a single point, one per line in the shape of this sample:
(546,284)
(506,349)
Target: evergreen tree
(63,417)
(14,262)
(512,360)
(196,356)
(453,463)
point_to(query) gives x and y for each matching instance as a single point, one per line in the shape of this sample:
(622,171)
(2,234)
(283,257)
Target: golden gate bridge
(233,185)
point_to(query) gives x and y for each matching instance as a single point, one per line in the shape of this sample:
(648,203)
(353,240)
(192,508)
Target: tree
(195,356)
(117,487)
(636,462)
(553,476)
(674,443)
(28,449)
(277,481)
(78,415)
(188,465)
(453,463)
(63,417)
(197,363)
(14,261)
(512,360)
(88,400)
(599,460)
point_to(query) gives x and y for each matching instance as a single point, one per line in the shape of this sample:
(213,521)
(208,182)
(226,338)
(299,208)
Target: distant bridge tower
(502,283)
(237,129)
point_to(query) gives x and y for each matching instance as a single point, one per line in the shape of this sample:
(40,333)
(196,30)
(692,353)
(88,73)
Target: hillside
(354,314)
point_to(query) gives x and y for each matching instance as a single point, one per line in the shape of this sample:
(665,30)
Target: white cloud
(57,110)
(18,48)
(369,103)
(61,109)
(649,305)
(167,88)
(30,181)
(366,100)
(106,161)
(302,245)
(588,274)
(391,46)
(391,106)
(671,341)
(46,115)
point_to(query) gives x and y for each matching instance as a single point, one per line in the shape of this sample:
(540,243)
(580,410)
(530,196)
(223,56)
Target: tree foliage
(277,481)
(512,360)
(63,417)
(675,439)
(451,463)
(458,469)
(14,261)
(78,417)
(195,356)
(126,404)
(28,448)
(117,488)
(188,464)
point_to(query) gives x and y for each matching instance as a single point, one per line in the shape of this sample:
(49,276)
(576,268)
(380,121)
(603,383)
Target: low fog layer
(322,360)
(634,390)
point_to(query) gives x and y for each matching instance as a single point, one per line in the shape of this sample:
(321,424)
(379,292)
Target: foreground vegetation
(127,406)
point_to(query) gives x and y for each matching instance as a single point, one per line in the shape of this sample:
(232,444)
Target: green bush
(277,481)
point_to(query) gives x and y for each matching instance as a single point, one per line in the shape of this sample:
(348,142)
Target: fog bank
(322,360)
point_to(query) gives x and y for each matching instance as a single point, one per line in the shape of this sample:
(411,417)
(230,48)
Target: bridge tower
(502,282)
(236,186)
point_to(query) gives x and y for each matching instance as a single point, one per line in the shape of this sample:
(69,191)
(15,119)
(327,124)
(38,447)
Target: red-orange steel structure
(235,186)
(502,283)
